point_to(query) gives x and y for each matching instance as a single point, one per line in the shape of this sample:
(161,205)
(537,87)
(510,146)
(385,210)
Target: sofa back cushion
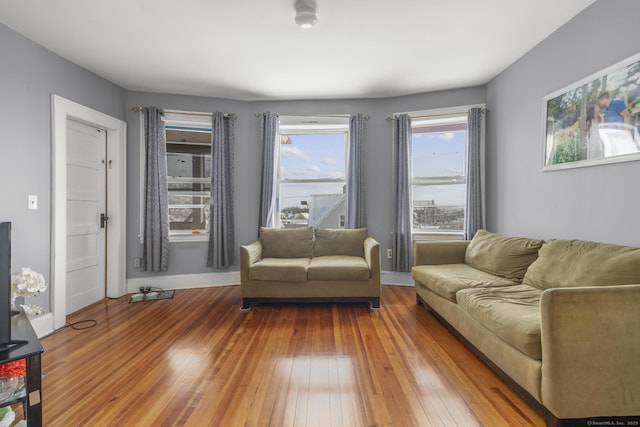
(571,263)
(340,242)
(507,257)
(286,243)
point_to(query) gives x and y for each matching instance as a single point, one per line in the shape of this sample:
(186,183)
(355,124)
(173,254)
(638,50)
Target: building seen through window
(312,173)
(438,181)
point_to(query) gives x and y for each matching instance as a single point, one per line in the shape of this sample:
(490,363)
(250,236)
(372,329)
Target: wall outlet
(137,262)
(389,253)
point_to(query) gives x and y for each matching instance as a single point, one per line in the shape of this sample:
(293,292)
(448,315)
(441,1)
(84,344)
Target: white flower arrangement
(32,310)
(27,283)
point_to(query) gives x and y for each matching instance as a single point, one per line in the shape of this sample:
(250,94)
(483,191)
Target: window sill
(188,238)
(437,235)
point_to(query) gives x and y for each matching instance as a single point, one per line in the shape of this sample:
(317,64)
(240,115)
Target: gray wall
(596,203)
(188,258)
(29,74)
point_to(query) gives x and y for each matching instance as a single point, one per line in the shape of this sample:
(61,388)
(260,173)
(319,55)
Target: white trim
(212,280)
(61,110)
(188,238)
(460,109)
(457,119)
(185,281)
(396,278)
(437,236)
(202,121)
(312,129)
(292,124)
(42,325)
(169,112)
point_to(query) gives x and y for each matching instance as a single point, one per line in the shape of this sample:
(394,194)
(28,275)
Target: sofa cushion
(570,263)
(445,280)
(280,270)
(338,268)
(286,243)
(503,256)
(340,242)
(512,314)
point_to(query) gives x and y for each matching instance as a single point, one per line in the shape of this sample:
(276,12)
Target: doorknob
(103,220)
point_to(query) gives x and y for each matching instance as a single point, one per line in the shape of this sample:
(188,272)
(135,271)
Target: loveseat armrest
(372,256)
(438,253)
(590,351)
(249,255)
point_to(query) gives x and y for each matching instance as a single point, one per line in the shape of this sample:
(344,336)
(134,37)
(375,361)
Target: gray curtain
(155,244)
(221,224)
(402,250)
(269,126)
(473,220)
(356,209)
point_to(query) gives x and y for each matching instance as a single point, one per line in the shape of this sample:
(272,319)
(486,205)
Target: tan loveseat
(559,320)
(302,265)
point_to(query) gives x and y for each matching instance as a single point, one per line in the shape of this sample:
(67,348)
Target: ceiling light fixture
(305,15)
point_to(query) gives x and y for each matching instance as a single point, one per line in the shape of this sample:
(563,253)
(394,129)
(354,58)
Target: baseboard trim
(210,280)
(185,281)
(396,278)
(42,325)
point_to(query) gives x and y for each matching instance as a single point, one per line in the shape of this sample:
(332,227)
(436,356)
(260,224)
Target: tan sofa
(559,320)
(303,265)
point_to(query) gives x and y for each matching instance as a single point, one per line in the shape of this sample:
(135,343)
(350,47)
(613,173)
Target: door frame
(61,110)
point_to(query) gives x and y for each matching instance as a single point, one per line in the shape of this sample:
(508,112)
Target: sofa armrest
(249,255)
(438,253)
(590,351)
(372,256)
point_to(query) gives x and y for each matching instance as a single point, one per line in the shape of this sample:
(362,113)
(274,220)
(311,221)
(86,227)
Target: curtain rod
(339,116)
(186,113)
(484,110)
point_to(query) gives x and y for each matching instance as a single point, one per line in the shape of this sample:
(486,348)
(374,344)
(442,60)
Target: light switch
(33,202)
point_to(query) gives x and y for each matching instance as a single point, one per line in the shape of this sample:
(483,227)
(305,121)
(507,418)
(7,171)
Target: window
(188,173)
(438,183)
(312,173)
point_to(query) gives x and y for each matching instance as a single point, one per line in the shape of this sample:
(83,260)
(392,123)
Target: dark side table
(31,349)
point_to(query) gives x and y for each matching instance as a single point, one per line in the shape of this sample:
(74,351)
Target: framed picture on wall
(595,120)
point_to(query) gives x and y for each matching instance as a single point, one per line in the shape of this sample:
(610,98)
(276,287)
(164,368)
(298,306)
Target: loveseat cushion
(570,263)
(447,279)
(286,243)
(280,270)
(511,313)
(503,256)
(340,242)
(338,268)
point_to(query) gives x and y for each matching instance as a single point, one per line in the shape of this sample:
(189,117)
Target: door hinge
(103,220)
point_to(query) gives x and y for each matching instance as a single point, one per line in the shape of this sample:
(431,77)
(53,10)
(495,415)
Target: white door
(86,200)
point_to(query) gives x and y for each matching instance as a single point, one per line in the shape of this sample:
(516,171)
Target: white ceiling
(252,49)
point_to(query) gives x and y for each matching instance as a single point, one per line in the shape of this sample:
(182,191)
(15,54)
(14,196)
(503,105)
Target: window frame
(442,118)
(310,125)
(190,122)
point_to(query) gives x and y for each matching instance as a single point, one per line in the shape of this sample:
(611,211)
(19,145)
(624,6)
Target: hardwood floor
(197,360)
